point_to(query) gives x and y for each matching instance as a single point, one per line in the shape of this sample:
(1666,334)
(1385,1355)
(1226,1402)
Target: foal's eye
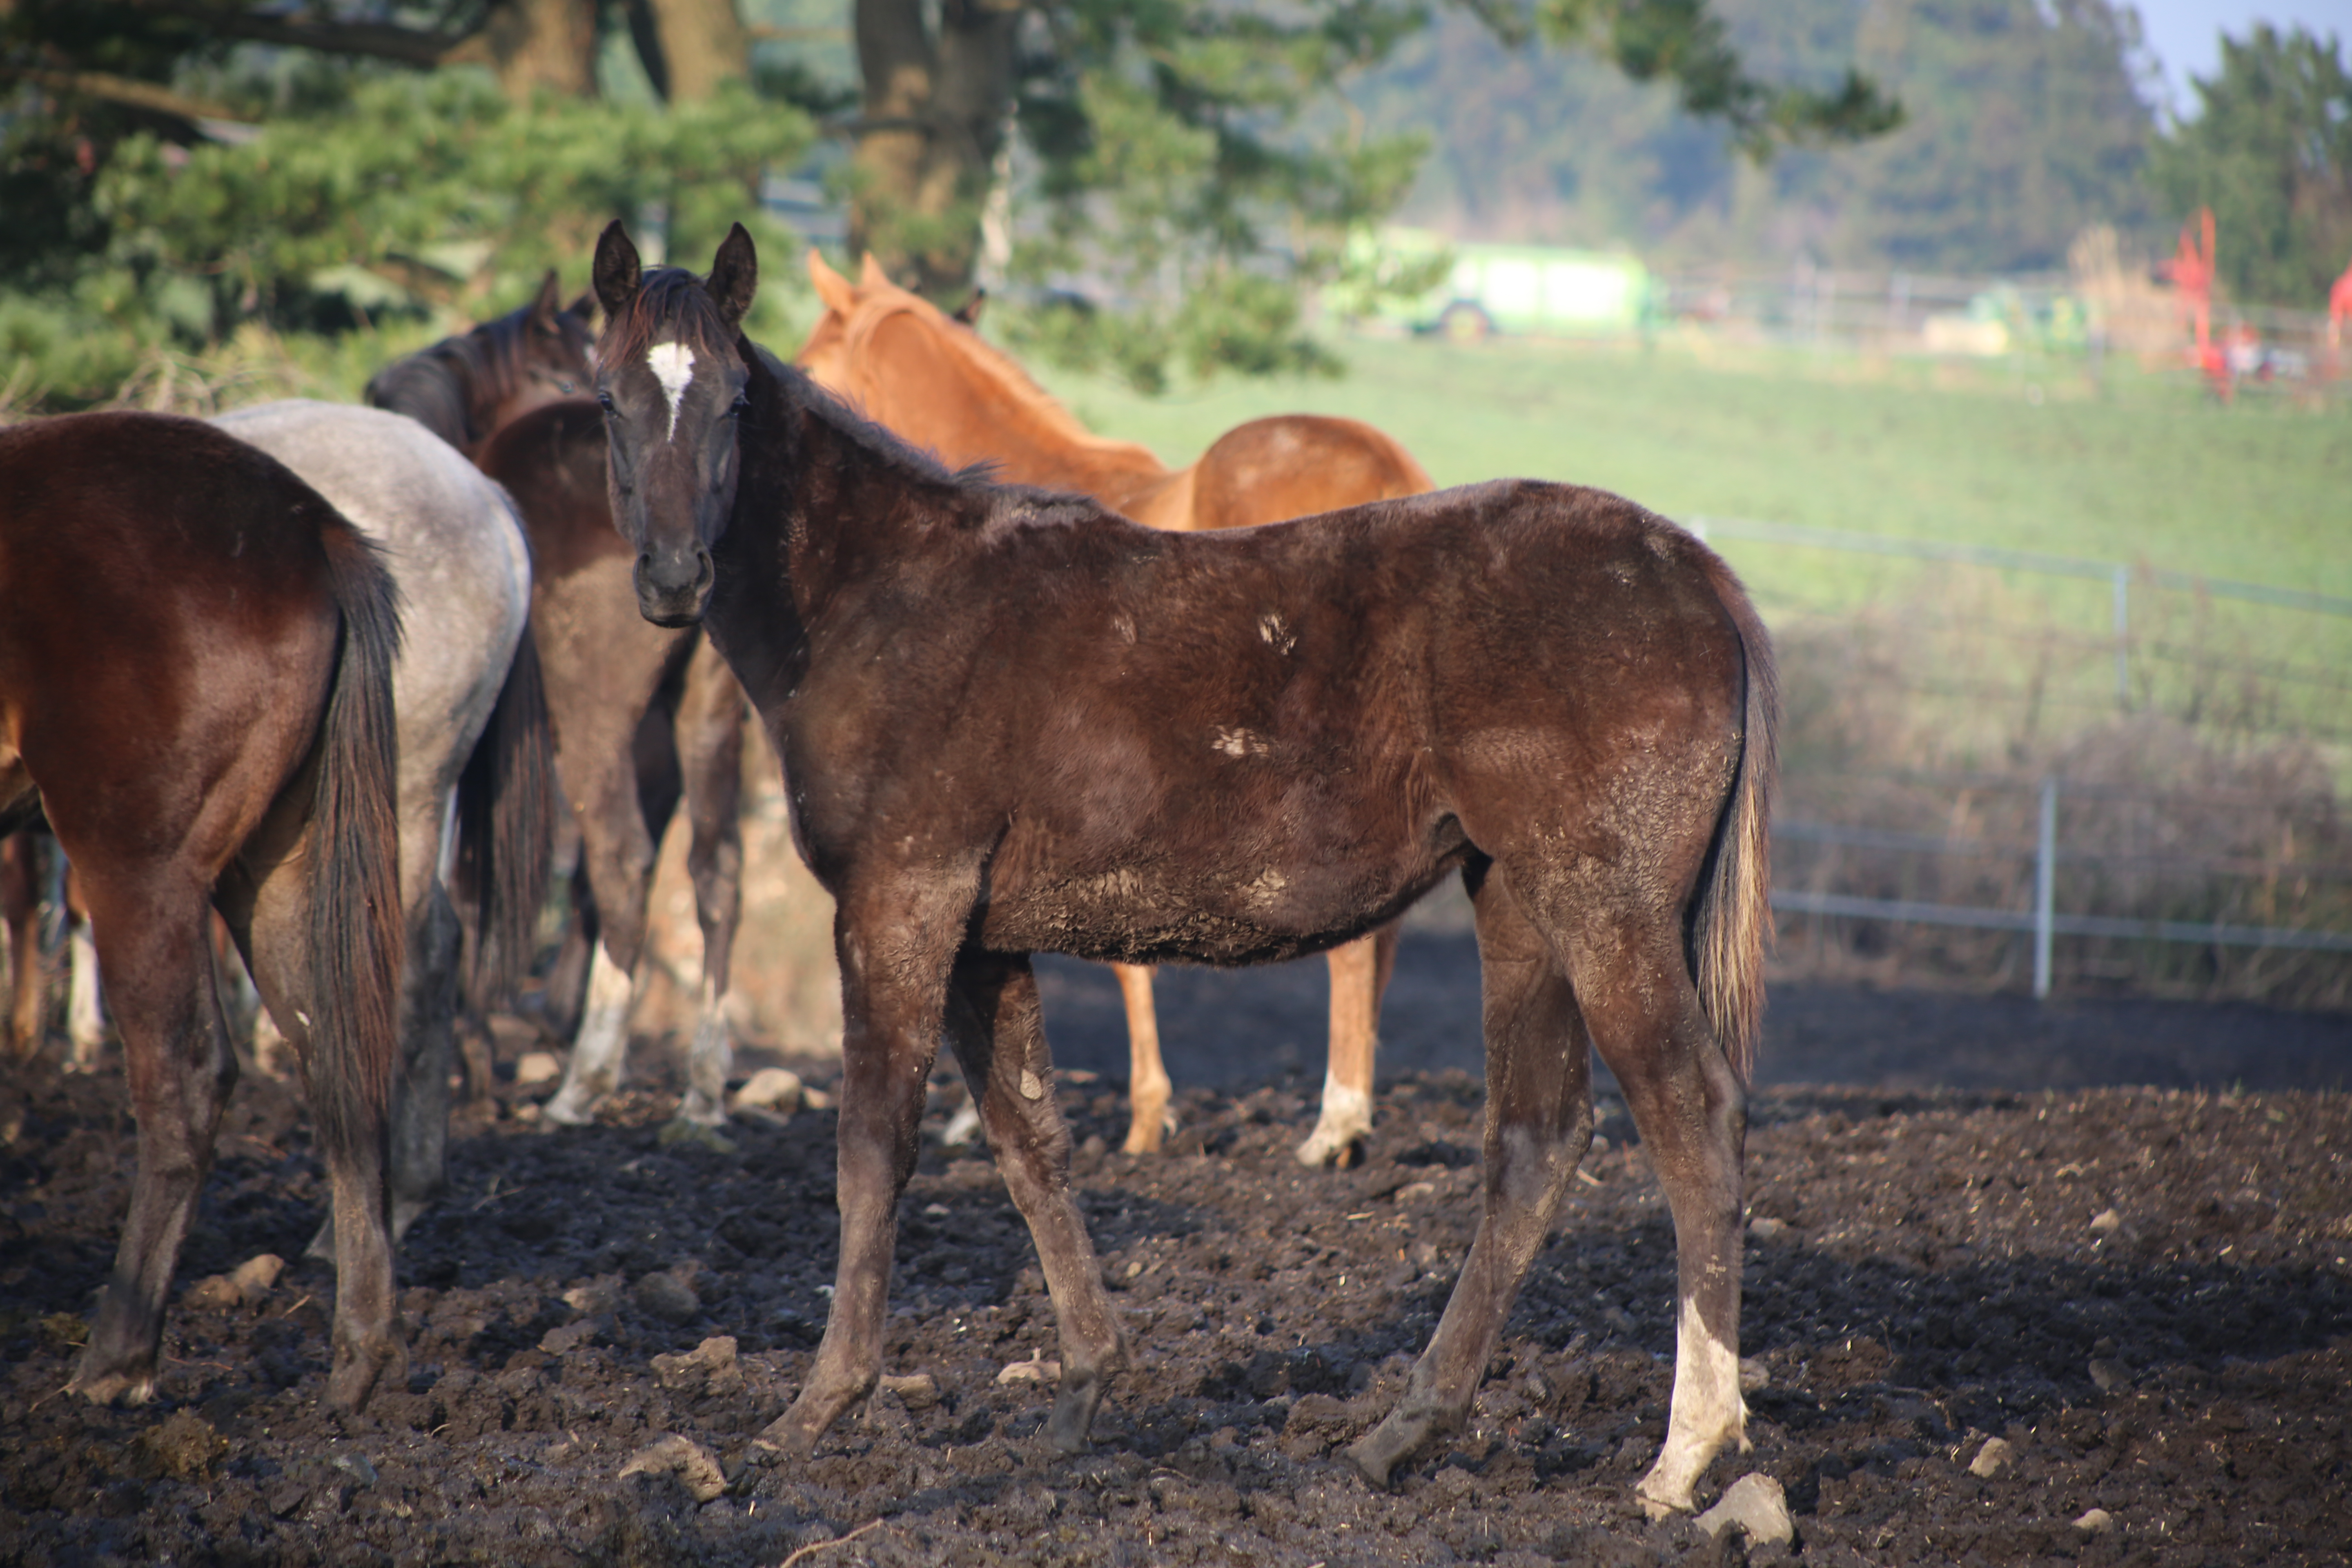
(564,387)
(604,400)
(742,402)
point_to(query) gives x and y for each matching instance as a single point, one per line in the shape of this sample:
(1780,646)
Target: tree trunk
(701,43)
(542,45)
(934,117)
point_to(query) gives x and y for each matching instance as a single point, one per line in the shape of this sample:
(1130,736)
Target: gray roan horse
(1011,721)
(474,744)
(642,719)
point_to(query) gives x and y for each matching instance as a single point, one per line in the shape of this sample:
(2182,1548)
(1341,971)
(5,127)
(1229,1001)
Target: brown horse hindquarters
(196,661)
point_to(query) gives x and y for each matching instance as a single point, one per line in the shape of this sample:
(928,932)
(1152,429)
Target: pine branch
(376,40)
(128,91)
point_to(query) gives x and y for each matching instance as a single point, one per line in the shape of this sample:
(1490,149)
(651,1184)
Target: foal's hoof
(1375,1454)
(118,1388)
(783,1441)
(358,1372)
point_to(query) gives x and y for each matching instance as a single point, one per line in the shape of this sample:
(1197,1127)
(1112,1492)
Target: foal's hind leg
(150,924)
(1359,978)
(710,757)
(1539,1124)
(998,1032)
(1693,1113)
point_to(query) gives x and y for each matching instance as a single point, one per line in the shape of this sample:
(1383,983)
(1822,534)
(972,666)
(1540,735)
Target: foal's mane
(879,302)
(440,387)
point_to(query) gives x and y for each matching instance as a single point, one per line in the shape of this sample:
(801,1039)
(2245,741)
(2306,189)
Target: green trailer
(1529,289)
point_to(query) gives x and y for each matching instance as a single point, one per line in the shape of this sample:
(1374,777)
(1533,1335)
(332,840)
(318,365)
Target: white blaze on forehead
(673,366)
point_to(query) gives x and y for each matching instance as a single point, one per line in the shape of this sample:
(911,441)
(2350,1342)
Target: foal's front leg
(894,959)
(998,1030)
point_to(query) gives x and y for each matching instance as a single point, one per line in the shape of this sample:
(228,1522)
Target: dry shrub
(2139,315)
(1933,726)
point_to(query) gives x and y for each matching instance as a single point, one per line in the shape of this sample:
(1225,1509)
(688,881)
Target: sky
(2184,35)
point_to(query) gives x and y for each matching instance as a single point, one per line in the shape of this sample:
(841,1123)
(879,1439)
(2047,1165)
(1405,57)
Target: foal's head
(671,378)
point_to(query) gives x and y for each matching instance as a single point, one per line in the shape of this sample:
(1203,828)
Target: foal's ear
(583,306)
(543,309)
(734,277)
(616,271)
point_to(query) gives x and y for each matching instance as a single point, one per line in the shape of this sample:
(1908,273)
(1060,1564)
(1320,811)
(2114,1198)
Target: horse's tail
(506,832)
(358,930)
(1733,921)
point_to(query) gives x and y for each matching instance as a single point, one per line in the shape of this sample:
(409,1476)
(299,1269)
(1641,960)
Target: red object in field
(2339,307)
(2191,271)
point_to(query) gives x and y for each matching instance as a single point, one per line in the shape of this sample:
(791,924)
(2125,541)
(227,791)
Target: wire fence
(2159,839)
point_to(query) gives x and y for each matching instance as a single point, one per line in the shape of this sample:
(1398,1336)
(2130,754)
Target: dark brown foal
(1013,721)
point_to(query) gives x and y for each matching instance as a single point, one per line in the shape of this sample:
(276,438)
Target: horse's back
(1296,464)
(453,543)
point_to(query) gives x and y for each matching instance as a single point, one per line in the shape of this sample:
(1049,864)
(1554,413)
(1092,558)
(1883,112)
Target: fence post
(2045,885)
(2123,637)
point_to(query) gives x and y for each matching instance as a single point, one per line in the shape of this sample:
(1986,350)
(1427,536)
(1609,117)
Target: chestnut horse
(932,379)
(639,718)
(195,692)
(1012,720)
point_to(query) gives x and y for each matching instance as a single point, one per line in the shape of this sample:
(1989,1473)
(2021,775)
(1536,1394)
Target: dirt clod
(184,1446)
(1992,1458)
(689,1461)
(1754,1505)
(708,1369)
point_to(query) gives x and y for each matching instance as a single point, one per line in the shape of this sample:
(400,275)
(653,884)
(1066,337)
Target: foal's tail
(506,831)
(358,931)
(1734,918)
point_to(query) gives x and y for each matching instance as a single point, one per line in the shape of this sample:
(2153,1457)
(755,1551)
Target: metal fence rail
(2043,919)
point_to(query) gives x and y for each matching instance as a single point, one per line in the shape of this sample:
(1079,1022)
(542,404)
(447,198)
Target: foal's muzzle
(673,589)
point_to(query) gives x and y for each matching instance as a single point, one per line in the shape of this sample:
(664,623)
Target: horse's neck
(988,418)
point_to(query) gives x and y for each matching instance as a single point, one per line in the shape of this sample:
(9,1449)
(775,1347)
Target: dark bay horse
(1011,721)
(644,719)
(640,718)
(195,692)
(904,363)
(463,388)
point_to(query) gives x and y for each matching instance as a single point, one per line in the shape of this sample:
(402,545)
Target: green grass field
(2149,473)
(2024,454)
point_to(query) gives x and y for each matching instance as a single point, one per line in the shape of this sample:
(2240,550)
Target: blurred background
(1999,344)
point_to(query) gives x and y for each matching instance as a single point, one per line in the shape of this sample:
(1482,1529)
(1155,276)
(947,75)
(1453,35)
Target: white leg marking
(673,366)
(707,1064)
(1707,1413)
(1347,1116)
(595,1069)
(84,1017)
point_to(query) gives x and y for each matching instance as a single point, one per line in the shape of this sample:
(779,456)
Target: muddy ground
(2113,1235)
